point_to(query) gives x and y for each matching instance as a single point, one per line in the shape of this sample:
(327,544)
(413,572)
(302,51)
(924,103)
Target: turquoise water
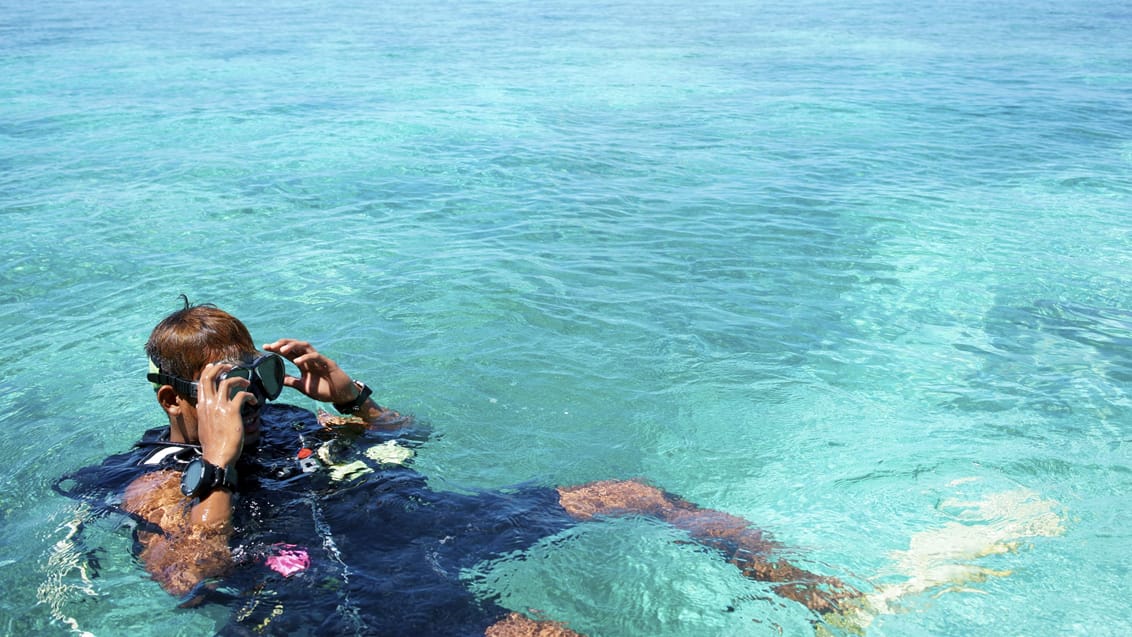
(823,265)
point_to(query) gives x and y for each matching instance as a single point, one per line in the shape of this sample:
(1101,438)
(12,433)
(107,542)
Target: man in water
(253,505)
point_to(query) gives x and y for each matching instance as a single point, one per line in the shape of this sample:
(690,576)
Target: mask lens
(236,372)
(271,374)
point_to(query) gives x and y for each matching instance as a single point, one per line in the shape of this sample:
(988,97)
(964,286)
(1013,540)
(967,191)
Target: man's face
(252,422)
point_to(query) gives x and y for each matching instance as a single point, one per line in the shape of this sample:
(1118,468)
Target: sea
(856,271)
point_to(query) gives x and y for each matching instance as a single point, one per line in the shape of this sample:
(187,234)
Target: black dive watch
(354,405)
(201,478)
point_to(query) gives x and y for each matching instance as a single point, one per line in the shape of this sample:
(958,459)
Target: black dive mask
(265,373)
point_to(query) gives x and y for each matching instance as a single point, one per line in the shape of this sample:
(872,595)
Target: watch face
(191,478)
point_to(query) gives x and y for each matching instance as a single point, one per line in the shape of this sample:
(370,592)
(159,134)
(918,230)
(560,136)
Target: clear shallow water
(821,265)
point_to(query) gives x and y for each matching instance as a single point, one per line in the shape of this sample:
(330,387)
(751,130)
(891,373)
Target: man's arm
(742,545)
(322,379)
(193,544)
(515,625)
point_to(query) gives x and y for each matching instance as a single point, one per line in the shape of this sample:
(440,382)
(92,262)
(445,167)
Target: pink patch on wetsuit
(288,559)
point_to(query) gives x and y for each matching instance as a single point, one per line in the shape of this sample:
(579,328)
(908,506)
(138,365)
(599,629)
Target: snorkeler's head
(194,336)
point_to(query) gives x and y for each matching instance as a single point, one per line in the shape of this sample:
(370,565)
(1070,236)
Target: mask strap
(157,378)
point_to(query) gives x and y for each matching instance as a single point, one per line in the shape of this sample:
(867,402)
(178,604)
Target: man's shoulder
(150,491)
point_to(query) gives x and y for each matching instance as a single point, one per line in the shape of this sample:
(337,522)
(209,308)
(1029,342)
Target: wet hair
(194,336)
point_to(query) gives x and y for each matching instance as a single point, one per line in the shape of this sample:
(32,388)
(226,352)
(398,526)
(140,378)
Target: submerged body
(374,551)
(329,537)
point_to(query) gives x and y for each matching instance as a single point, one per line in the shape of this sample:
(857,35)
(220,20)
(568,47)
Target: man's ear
(170,401)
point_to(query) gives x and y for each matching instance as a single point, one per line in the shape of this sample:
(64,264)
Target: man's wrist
(219,458)
(201,478)
(351,407)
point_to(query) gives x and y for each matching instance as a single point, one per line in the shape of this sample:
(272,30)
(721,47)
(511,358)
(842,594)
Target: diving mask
(265,373)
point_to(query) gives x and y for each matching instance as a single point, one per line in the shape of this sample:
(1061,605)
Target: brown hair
(194,336)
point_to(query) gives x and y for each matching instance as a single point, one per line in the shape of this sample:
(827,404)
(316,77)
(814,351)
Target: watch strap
(364,392)
(201,478)
(227,479)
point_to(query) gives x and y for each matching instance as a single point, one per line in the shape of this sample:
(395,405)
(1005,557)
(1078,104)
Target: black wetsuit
(386,552)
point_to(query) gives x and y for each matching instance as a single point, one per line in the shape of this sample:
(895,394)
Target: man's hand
(219,425)
(321,378)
